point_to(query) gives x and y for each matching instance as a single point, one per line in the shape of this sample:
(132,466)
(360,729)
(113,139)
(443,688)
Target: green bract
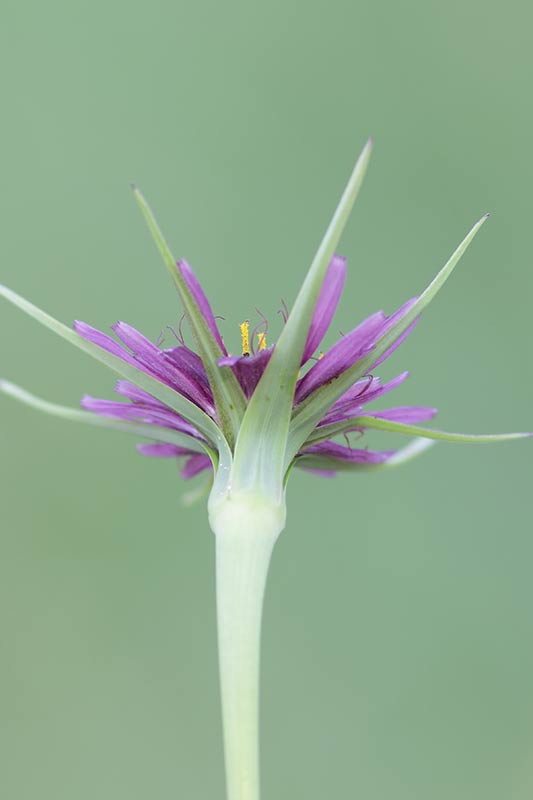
(260,455)
(229,398)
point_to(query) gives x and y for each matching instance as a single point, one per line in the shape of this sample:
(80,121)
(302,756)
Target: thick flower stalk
(247,420)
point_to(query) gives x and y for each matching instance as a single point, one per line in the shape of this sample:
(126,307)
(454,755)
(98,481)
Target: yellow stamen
(320,355)
(245,337)
(262,339)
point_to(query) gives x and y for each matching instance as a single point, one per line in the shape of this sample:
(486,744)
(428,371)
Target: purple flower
(253,416)
(183,371)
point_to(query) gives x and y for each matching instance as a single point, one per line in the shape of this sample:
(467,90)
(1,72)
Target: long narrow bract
(229,397)
(260,448)
(378,423)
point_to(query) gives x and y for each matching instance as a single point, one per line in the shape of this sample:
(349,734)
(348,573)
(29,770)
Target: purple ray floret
(343,354)
(183,370)
(326,305)
(248,369)
(187,361)
(104,341)
(194,463)
(362,392)
(392,321)
(135,412)
(181,379)
(409,415)
(347,455)
(201,300)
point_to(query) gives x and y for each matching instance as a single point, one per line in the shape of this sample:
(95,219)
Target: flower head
(253,416)
(183,371)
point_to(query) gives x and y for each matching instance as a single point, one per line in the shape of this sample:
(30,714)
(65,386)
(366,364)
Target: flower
(183,371)
(252,417)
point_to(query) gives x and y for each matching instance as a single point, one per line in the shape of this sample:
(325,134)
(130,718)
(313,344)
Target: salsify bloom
(183,371)
(247,420)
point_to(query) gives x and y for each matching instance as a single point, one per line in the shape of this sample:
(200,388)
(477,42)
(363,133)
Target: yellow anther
(320,355)
(262,339)
(245,337)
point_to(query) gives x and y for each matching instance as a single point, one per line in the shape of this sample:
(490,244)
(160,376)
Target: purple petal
(194,465)
(345,454)
(136,395)
(148,358)
(352,402)
(361,390)
(326,305)
(376,389)
(248,369)
(189,362)
(140,346)
(342,355)
(133,412)
(104,341)
(161,450)
(159,413)
(201,300)
(321,473)
(409,415)
(164,369)
(403,336)
(354,397)
(112,408)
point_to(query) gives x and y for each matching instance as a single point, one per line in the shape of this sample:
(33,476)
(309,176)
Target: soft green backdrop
(398,642)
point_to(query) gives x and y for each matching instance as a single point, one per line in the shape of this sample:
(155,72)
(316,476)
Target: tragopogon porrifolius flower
(247,420)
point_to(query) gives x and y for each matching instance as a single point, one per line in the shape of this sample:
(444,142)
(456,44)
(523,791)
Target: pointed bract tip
(481,221)
(367,149)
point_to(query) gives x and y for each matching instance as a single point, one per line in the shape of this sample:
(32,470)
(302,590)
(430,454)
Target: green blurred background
(398,640)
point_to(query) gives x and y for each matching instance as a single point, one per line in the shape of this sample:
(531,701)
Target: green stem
(246,530)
